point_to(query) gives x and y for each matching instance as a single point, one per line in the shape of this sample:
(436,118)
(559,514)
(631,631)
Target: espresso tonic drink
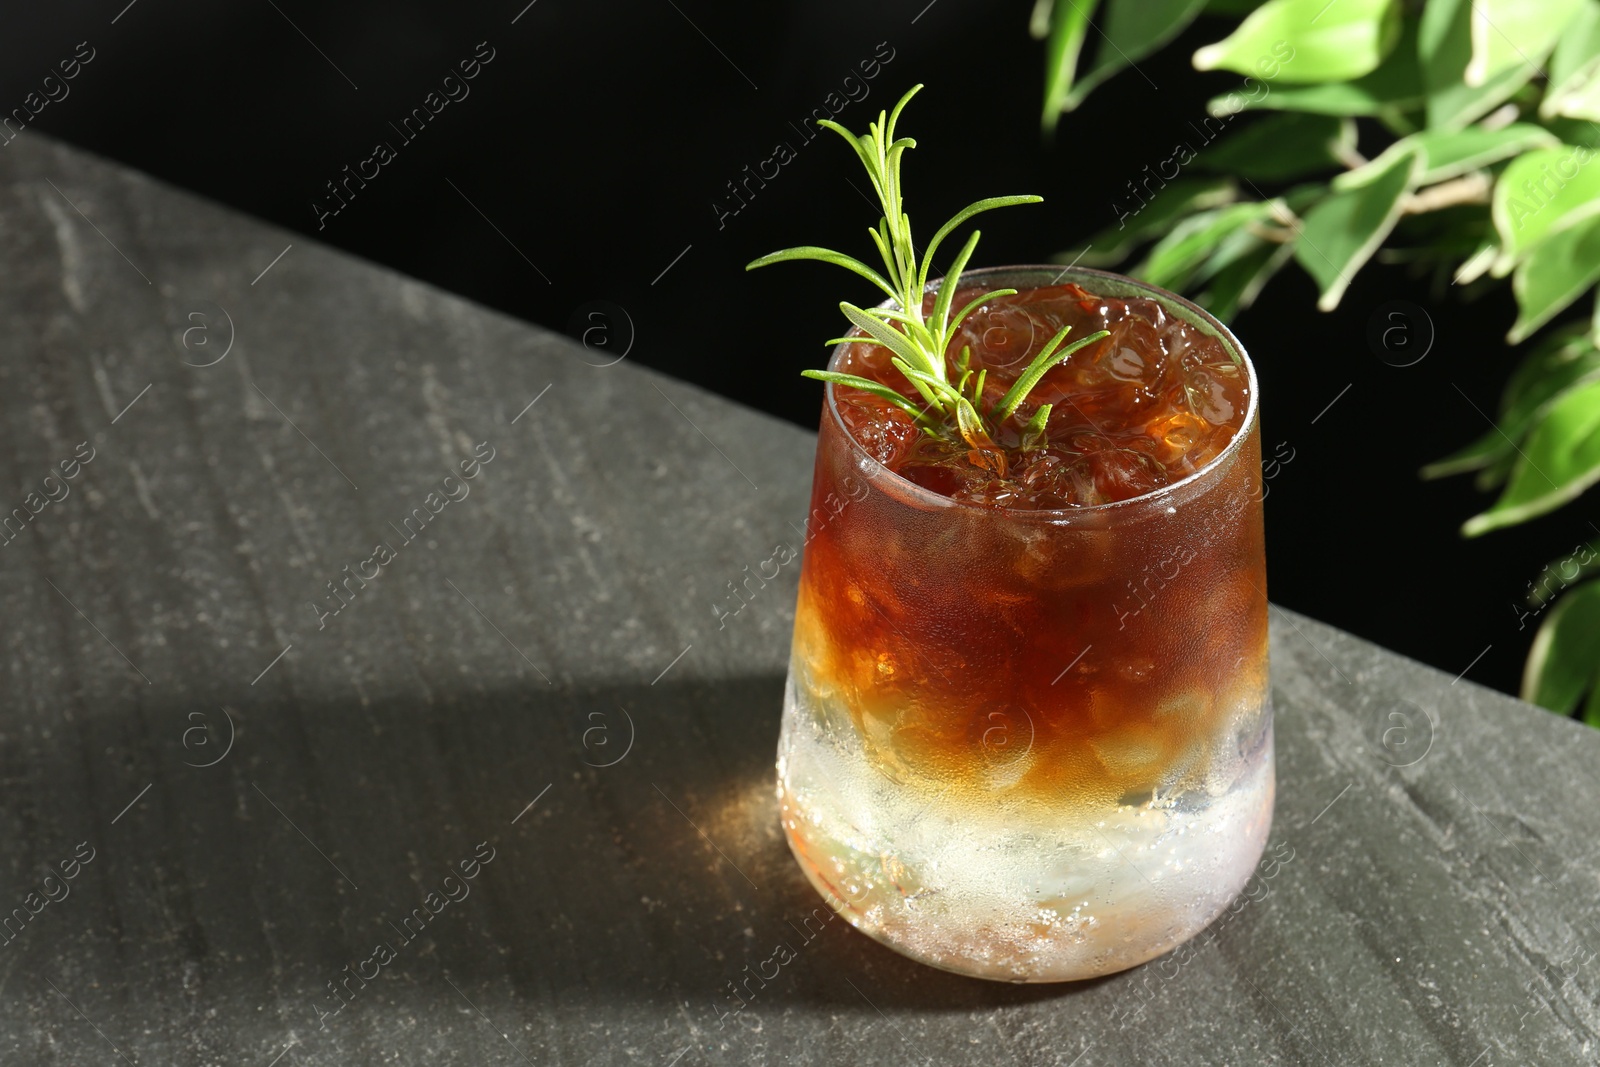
(1026,733)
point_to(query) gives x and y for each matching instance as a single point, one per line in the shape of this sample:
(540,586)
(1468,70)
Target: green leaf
(1236,286)
(1444,47)
(1451,153)
(1457,105)
(1562,662)
(952,281)
(867,385)
(1578,100)
(1069,22)
(1505,33)
(885,335)
(1553,275)
(1139,219)
(1477,455)
(1232,7)
(936,388)
(1495,474)
(961,216)
(1048,357)
(1043,361)
(1033,432)
(937,392)
(1280,147)
(1573,89)
(1540,194)
(1172,263)
(974,304)
(1131,30)
(1328,42)
(1341,232)
(1239,244)
(1393,88)
(1591,708)
(826,256)
(864,148)
(918,345)
(1554,578)
(1560,459)
(1560,361)
(1578,47)
(1477,264)
(970,425)
(1039,20)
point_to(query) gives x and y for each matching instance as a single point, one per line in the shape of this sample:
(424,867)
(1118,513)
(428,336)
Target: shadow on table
(650,868)
(681,884)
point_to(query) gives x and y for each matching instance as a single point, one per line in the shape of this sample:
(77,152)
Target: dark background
(588,155)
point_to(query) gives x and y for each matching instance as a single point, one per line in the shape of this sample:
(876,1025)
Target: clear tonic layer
(1002,887)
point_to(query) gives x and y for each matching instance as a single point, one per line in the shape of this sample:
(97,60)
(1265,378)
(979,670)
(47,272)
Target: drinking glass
(1031,745)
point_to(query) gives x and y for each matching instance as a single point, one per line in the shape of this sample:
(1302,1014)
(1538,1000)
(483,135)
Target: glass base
(1013,889)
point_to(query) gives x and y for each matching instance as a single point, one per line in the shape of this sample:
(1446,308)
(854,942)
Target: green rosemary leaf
(894,313)
(935,389)
(967,419)
(952,281)
(915,332)
(923,338)
(956,319)
(905,254)
(867,385)
(1047,358)
(929,387)
(886,335)
(1033,432)
(825,255)
(894,116)
(869,157)
(971,426)
(890,263)
(962,216)
(917,340)
(930,394)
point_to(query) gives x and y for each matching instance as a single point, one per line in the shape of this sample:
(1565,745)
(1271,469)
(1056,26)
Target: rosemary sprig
(918,344)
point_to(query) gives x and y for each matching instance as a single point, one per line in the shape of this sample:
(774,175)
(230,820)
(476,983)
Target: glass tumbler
(1031,746)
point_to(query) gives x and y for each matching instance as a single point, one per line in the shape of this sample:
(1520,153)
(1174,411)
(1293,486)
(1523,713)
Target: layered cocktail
(1026,732)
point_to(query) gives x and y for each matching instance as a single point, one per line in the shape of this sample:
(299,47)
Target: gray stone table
(251,791)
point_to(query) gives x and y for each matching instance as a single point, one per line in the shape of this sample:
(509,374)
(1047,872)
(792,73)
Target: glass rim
(1118,285)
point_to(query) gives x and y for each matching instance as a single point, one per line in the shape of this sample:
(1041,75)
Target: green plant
(919,342)
(1486,112)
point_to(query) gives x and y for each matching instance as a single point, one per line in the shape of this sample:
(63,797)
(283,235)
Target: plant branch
(918,341)
(1471,188)
(1278,235)
(1347,155)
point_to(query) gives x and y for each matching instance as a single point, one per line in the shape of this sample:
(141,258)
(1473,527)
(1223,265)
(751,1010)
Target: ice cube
(1135,749)
(1121,473)
(1208,397)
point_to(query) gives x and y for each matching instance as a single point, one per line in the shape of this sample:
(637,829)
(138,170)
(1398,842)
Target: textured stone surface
(551,637)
